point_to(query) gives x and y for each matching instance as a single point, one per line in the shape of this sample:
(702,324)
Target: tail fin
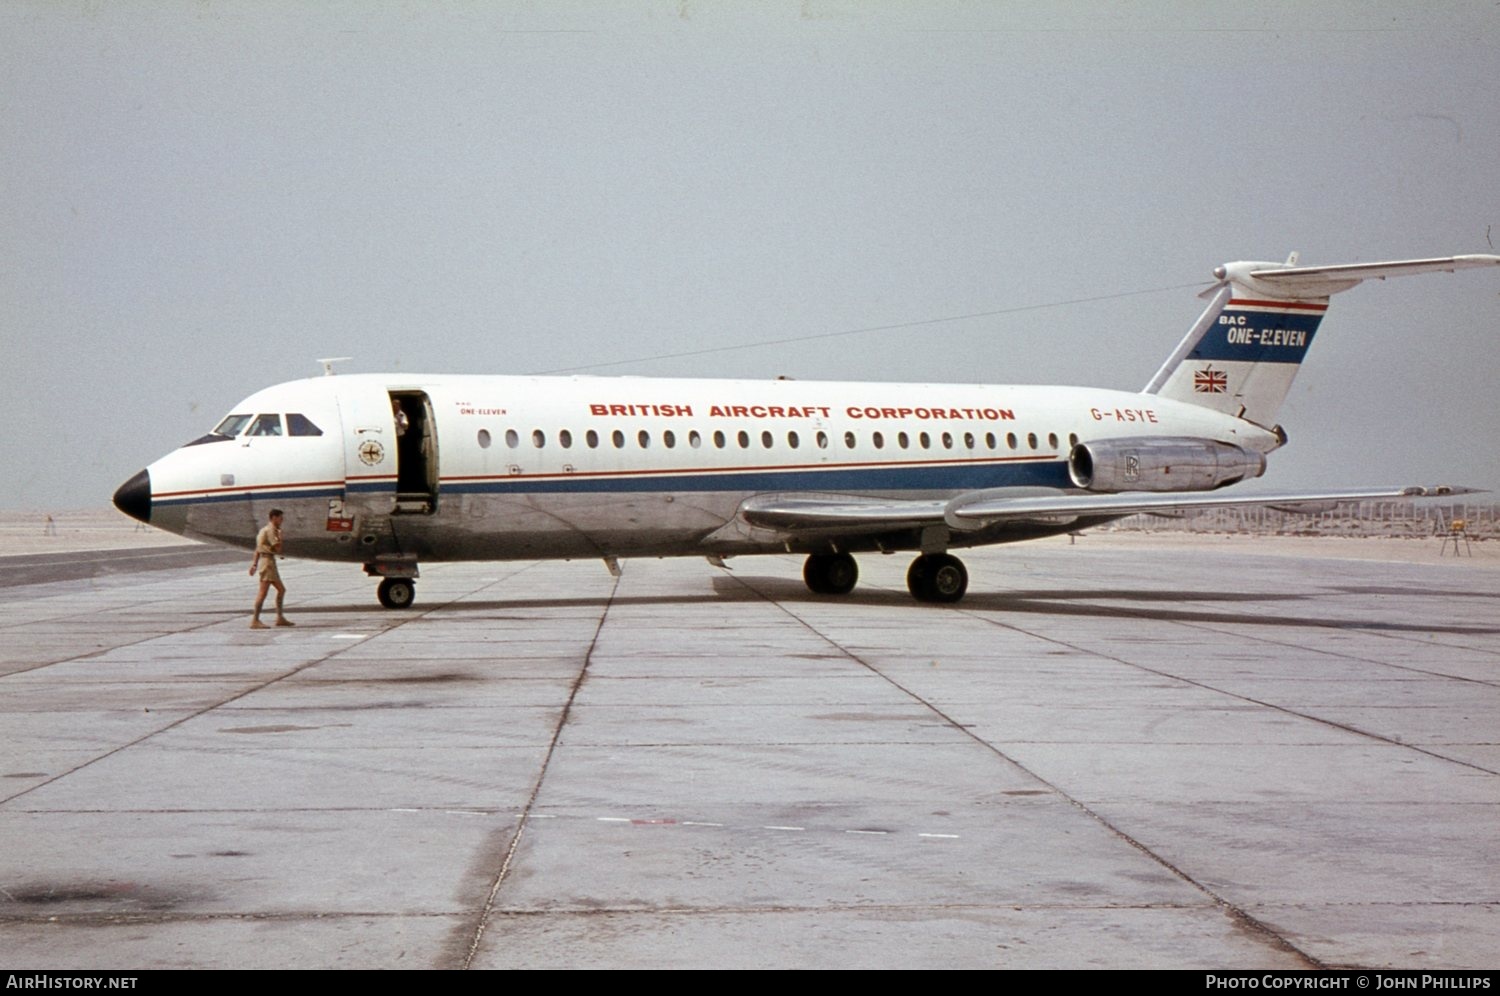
(1241,355)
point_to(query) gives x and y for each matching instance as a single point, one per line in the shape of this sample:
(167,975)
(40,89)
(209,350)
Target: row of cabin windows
(668,439)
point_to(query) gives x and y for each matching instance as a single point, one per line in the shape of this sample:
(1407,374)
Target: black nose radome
(134,497)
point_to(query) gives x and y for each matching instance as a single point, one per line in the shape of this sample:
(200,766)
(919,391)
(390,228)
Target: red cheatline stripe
(247,487)
(1288,305)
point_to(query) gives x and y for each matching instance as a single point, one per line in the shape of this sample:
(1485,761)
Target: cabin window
(744,438)
(669,439)
(947,440)
(565,439)
(232,426)
(902,440)
(718,439)
(695,440)
(1072,440)
(538,438)
(822,440)
(968,440)
(1052,440)
(1010,440)
(301,425)
(989,440)
(849,440)
(592,438)
(925,440)
(1031,439)
(511,439)
(765,439)
(878,440)
(265,425)
(618,438)
(484,439)
(792,440)
(644,438)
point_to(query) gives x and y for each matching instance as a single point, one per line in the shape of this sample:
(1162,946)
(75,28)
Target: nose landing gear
(398,579)
(397,593)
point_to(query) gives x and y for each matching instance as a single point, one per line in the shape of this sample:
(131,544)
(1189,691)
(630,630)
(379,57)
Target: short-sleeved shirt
(266,542)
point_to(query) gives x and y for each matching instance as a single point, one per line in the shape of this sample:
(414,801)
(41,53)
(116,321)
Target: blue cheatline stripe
(1257,337)
(279,495)
(961,477)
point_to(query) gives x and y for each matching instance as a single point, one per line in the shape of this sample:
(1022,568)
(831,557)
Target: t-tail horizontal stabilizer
(1241,355)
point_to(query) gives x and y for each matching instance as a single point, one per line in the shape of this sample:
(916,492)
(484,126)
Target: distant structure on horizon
(1369,518)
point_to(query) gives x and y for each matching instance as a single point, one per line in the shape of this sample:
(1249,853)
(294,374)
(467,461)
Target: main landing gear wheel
(830,573)
(937,577)
(397,593)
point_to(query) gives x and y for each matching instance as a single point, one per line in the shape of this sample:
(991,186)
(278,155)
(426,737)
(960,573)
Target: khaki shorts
(268,570)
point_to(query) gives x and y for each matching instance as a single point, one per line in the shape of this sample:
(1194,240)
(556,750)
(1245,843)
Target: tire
(830,573)
(937,577)
(397,593)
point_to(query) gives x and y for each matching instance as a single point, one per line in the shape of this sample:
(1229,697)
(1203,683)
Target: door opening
(416,453)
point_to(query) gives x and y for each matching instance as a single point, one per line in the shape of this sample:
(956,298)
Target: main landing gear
(397,593)
(937,577)
(933,577)
(830,573)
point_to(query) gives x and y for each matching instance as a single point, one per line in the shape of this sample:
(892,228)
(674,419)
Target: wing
(850,515)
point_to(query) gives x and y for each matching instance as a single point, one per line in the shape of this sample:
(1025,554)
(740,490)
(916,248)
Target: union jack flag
(1210,382)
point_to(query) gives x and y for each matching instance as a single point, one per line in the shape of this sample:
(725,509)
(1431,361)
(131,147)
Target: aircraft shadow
(1078,602)
(1165,606)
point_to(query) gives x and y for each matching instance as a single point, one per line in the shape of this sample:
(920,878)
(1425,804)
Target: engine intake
(1163,463)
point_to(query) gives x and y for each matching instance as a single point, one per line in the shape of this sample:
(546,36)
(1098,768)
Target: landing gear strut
(397,593)
(830,573)
(937,577)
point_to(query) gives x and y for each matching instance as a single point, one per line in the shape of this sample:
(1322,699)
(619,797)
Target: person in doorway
(267,549)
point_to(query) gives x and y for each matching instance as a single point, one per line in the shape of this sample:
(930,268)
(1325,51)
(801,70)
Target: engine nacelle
(1162,463)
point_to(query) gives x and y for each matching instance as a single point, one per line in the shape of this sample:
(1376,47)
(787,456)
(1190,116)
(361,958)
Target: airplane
(389,470)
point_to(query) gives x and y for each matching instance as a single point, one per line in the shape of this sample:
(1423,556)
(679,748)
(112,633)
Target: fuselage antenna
(330,361)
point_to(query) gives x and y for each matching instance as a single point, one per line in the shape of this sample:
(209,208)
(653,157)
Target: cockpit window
(265,425)
(301,425)
(232,426)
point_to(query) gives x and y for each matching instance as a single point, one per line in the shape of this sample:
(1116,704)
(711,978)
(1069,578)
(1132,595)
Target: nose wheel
(397,593)
(937,577)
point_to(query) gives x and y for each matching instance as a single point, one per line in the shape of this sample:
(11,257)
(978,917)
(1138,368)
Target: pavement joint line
(1237,913)
(1196,683)
(292,916)
(242,693)
(1356,657)
(482,921)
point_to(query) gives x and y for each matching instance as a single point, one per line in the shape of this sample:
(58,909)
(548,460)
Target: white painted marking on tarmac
(694,823)
(349,636)
(941,836)
(537,816)
(873,833)
(783,828)
(613,819)
(466,812)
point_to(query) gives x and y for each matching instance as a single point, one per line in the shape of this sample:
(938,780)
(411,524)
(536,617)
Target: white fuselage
(496,467)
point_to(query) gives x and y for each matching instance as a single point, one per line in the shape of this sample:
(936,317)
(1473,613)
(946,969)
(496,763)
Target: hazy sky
(200,198)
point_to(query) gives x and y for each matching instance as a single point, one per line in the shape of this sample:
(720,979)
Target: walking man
(267,549)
